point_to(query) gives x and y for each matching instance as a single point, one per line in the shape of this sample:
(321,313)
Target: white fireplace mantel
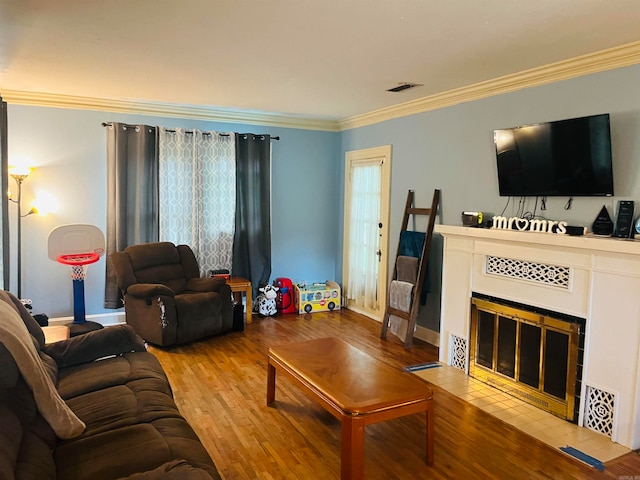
(595,278)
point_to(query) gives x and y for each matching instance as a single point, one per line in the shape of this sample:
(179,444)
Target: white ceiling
(320,59)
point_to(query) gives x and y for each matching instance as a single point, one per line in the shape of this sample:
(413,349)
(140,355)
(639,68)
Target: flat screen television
(563,158)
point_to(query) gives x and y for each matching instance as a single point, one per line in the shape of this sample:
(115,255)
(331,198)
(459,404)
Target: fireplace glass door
(527,354)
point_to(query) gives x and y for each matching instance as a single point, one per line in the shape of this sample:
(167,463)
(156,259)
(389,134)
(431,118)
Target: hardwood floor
(220,386)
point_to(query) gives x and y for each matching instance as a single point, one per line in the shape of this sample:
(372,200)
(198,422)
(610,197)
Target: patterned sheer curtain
(364,234)
(197,193)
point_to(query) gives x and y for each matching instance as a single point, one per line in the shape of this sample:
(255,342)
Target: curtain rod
(109,124)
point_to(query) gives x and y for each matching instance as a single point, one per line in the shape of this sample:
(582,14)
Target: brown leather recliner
(166,301)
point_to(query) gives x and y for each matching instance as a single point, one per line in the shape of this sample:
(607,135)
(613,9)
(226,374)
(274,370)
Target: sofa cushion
(35,459)
(133,449)
(10,438)
(24,452)
(136,402)
(26,440)
(175,470)
(90,377)
(205,307)
(9,373)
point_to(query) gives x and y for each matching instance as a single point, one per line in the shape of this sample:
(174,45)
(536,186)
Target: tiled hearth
(531,420)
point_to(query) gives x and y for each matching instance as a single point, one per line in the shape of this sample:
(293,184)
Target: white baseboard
(106,319)
(430,336)
(426,334)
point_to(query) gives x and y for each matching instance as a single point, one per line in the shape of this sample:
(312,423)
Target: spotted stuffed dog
(266,301)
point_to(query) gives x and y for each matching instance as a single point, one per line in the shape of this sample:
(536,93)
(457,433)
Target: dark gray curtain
(252,241)
(4,213)
(132,194)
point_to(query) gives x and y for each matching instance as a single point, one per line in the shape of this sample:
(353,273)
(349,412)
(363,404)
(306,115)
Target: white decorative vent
(547,274)
(458,352)
(599,410)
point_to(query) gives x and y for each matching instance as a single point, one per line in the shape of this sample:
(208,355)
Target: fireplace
(532,355)
(586,286)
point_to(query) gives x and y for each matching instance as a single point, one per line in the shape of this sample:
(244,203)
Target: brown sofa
(96,406)
(165,299)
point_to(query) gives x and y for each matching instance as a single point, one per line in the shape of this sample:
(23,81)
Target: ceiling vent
(404,86)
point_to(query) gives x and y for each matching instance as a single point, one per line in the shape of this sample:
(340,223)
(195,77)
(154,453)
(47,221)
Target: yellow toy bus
(317,297)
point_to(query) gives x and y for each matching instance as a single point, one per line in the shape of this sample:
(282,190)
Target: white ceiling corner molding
(194,112)
(609,59)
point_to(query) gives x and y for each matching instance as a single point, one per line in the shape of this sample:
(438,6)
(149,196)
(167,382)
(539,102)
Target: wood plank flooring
(220,387)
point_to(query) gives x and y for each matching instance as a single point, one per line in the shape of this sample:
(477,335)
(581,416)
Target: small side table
(239,286)
(55,333)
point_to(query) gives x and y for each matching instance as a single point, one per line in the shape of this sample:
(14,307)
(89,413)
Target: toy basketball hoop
(78,262)
(77,246)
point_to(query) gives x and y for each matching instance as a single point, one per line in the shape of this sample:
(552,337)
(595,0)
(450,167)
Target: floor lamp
(19,174)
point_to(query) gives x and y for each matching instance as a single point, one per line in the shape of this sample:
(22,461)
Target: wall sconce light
(19,174)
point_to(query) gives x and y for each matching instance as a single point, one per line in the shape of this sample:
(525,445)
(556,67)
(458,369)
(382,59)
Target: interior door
(366,220)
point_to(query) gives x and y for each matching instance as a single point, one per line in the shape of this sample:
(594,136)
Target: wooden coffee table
(355,388)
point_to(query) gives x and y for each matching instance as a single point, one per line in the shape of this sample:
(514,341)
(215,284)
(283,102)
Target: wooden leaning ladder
(412,315)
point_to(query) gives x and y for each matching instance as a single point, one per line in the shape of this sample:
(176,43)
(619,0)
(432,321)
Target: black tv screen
(563,158)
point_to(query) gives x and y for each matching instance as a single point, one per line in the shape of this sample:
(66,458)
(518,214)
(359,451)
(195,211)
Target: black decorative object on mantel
(624,219)
(602,225)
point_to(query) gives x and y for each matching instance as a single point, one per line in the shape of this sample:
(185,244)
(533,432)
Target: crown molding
(194,112)
(609,59)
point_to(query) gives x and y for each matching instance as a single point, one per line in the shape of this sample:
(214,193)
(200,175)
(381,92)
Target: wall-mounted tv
(563,158)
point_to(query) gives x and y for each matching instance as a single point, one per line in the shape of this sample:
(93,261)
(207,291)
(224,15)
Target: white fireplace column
(595,278)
